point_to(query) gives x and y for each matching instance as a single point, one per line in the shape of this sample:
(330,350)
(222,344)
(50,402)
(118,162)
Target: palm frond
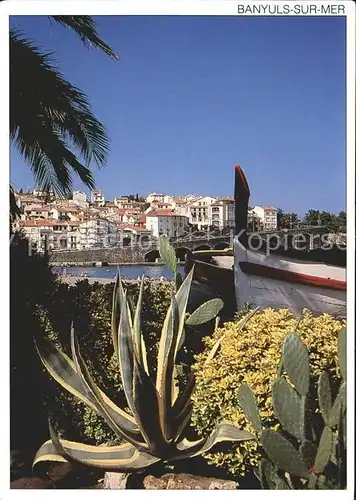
(84,27)
(51,121)
(15,212)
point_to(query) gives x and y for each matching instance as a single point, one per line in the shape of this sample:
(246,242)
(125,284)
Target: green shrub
(253,356)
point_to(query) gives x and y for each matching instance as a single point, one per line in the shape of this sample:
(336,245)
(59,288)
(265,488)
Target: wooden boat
(214,270)
(293,279)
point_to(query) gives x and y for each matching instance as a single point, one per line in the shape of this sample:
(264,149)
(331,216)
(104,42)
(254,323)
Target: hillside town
(80,223)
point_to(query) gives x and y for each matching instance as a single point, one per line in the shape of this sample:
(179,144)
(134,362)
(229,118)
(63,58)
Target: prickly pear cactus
(297,458)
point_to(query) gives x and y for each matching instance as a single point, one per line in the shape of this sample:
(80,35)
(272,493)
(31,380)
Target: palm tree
(51,121)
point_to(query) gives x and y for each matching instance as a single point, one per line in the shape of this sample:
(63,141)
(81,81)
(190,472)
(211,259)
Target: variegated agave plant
(155,429)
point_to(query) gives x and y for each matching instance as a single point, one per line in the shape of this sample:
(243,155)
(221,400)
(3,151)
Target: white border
(171,7)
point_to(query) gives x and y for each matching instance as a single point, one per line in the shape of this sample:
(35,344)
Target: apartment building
(27,199)
(97,233)
(39,233)
(155,197)
(79,198)
(166,222)
(64,212)
(223,213)
(126,204)
(34,212)
(129,234)
(200,211)
(44,195)
(58,235)
(97,198)
(268,216)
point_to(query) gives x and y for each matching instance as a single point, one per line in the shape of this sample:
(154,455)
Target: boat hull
(281,282)
(219,279)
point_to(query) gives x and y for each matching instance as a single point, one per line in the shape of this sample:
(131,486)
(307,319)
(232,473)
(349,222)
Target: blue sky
(193,96)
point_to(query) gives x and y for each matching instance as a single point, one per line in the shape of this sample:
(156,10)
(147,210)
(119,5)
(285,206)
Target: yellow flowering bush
(253,355)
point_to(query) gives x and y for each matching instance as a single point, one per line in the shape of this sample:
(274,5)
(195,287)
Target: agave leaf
(339,405)
(165,381)
(182,299)
(288,407)
(115,313)
(206,312)
(126,354)
(123,457)
(342,352)
(147,410)
(214,349)
(324,450)
(324,396)
(138,338)
(217,322)
(168,254)
(243,321)
(296,362)
(175,385)
(247,401)
(283,454)
(178,281)
(223,432)
(181,421)
(62,369)
(83,372)
(184,399)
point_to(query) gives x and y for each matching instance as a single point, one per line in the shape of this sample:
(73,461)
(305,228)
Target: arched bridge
(146,251)
(182,246)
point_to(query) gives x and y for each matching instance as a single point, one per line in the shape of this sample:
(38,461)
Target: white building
(33,212)
(60,235)
(223,213)
(98,233)
(166,222)
(200,211)
(64,212)
(168,199)
(130,234)
(158,205)
(125,203)
(43,195)
(79,198)
(38,232)
(254,222)
(27,199)
(97,198)
(268,216)
(155,197)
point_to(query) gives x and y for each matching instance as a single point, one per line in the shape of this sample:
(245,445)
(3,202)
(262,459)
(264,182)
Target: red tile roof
(38,223)
(37,208)
(65,208)
(162,213)
(132,226)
